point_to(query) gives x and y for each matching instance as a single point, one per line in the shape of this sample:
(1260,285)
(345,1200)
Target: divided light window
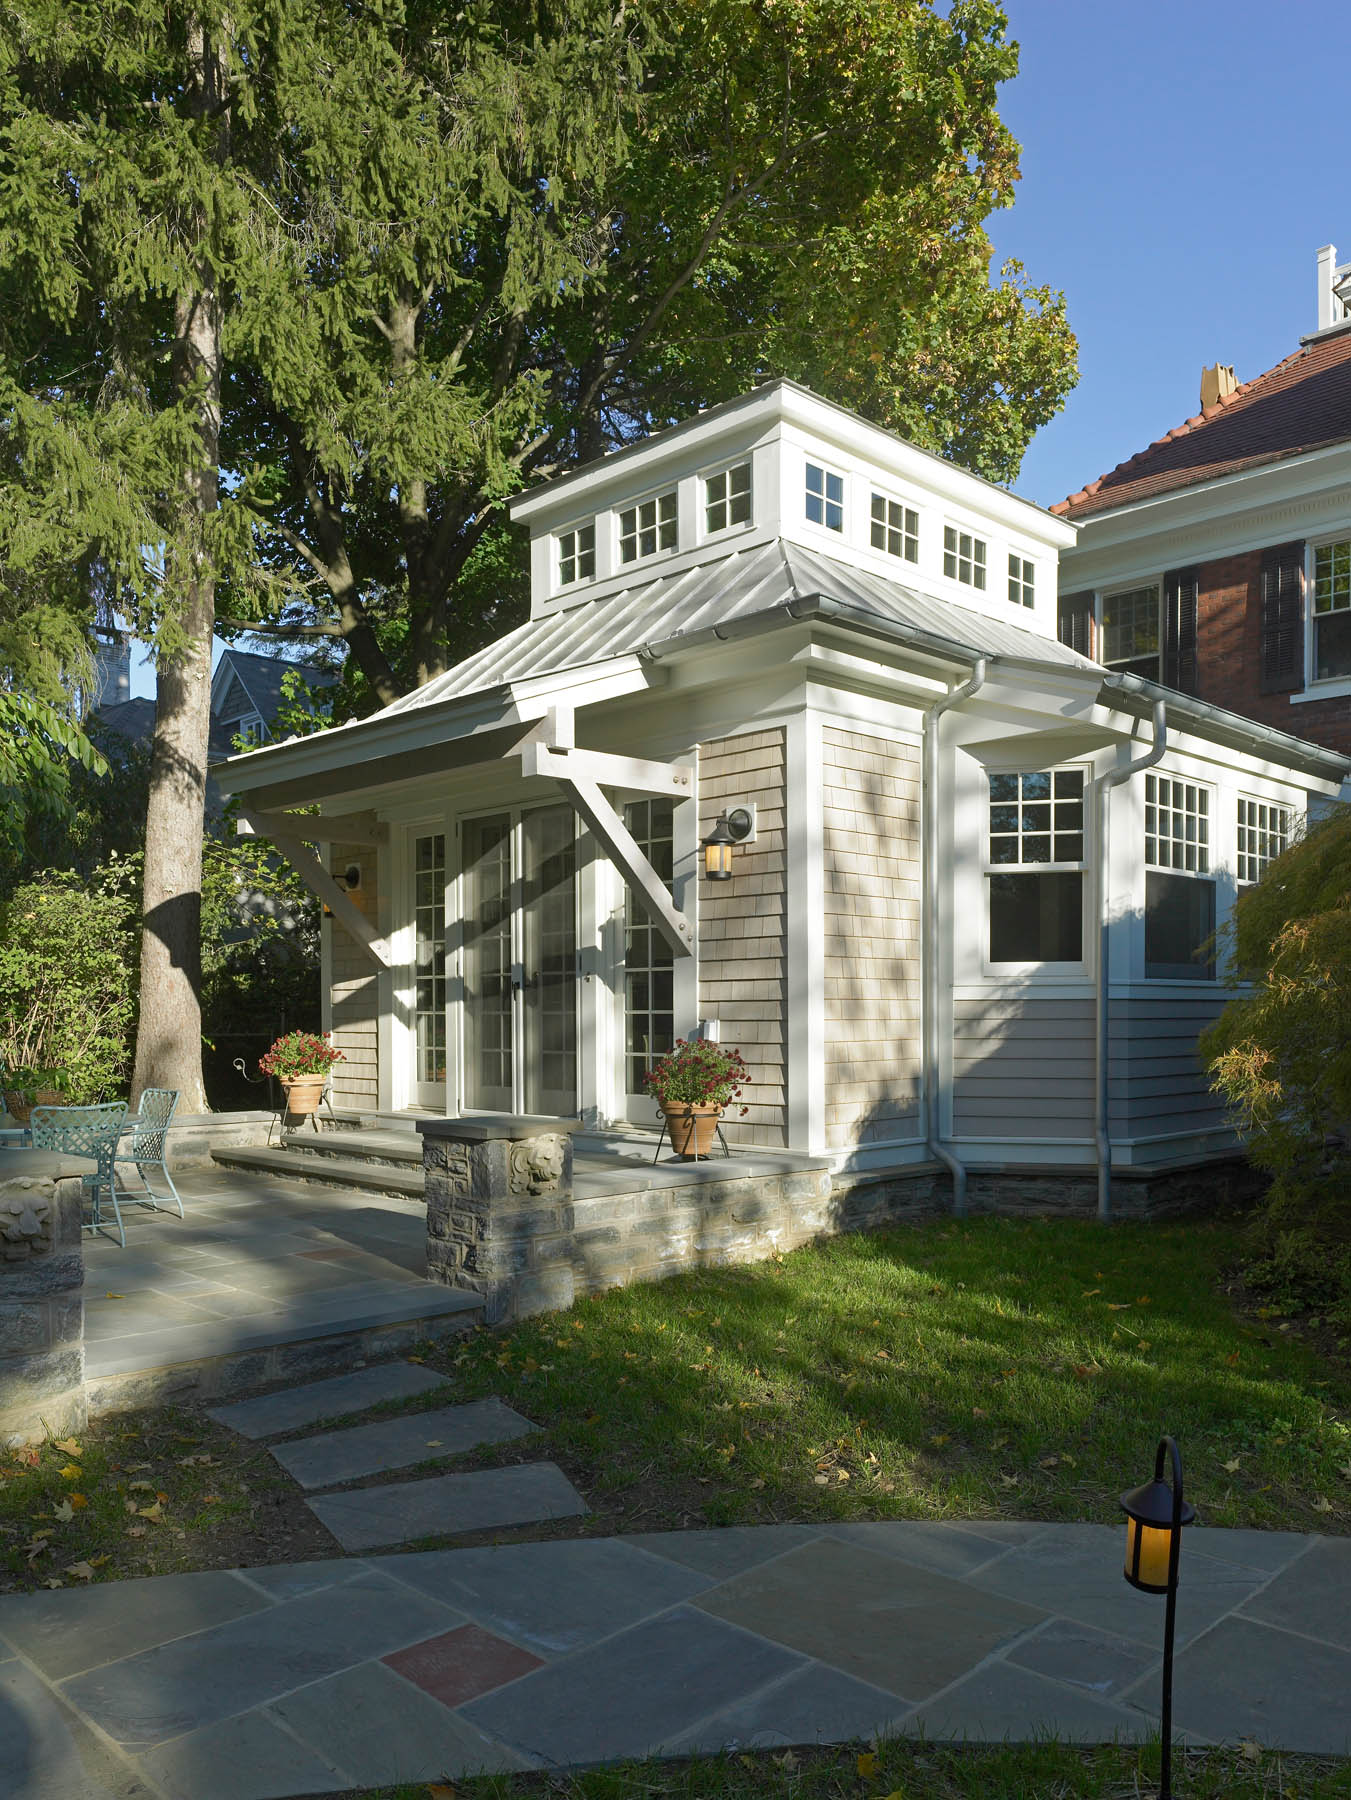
(825,498)
(577,554)
(649,963)
(1331,611)
(647,528)
(1179,897)
(727,498)
(1036,862)
(1263,832)
(895,528)
(963,557)
(1130,632)
(1021,582)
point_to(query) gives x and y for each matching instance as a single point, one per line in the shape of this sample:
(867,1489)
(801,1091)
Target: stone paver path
(330,1457)
(253,1684)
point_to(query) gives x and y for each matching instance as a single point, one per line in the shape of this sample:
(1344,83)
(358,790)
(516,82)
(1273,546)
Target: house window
(963,557)
(1130,632)
(1263,832)
(1331,611)
(1021,582)
(895,528)
(577,554)
(1179,900)
(647,528)
(1036,861)
(649,962)
(825,498)
(246,731)
(727,498)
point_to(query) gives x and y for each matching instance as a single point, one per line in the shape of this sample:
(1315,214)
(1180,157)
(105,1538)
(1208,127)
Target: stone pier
(42,1389)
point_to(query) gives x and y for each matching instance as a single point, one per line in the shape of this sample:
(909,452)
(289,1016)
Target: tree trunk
(169,1035)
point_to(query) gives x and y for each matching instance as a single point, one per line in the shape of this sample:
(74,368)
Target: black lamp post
(1155,1515)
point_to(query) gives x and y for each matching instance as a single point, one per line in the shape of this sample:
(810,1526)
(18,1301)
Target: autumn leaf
(940,1439)
(1231,1468)
(83,1570)
(1321,1505)
(71,1472)
(65,1512)
(1232,1358)
(67,1446)
(156,1511)
(114,1296)
(78,1500)
(1250,1749)
(867,1764)
(439,1790)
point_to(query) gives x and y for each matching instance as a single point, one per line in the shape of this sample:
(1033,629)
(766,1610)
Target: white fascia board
(1207,756)
(1226,517)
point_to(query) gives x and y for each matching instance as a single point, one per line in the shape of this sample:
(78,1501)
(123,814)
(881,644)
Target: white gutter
(1113,778)
(929,935)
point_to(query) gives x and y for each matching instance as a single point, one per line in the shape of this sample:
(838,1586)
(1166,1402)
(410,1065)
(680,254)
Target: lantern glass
(717,861)
(1147,1553)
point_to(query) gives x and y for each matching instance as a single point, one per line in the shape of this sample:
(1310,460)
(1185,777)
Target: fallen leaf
(148,1486)
(1118,1306)
(67,1446)
(1231,1468)
(1049,1462)
(867,1764)
(1142,1343)
(77,1501)
(1251,1749)
(84,1570)
(135,1530)
(977,1412)
(940,1439)
(114,1296)
(433,1444)
(759,1482)
(1232,1358)
(821,1480)
(1322,1505)
(155,1512)
(71,1472)
(65,1512)
(439,1790)
(52,1582)
(419,1359)
(1088,1293)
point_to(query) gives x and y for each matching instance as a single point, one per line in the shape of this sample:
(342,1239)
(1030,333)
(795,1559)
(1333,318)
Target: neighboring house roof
(1303,404)
(740,586)
(133,720)
(261,677)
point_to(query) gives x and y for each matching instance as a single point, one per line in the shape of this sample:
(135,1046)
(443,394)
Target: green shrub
(1281,1056)
(67,974)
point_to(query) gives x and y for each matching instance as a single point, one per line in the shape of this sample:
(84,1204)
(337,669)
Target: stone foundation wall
(42,1389)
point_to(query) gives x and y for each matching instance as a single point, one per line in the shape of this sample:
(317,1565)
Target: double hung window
(727,498)
(647,528)
(577,554)
(963,557)
(1036,864)
(825,497)
(895,528)
(1263,833)
(1022,581)
(1179,893)
(1331,611)
(1130,632)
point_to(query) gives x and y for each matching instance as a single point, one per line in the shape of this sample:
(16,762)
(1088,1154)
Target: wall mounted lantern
(1155,1515)
(734,826)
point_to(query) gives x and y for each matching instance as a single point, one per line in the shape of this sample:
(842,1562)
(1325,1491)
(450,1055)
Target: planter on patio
(692,1128)
(693,1084)
(303,1096)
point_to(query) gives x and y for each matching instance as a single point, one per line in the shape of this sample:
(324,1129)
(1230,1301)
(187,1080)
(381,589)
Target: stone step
(404,1512)
(402,1149)
(339,1397)
(329,1458)
(402,1181)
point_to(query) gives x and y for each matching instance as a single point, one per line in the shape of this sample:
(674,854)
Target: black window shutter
(1283,618)
(1075,622)
(1180,589)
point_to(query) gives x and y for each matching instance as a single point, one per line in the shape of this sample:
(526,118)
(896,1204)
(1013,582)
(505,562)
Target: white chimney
(1334,288)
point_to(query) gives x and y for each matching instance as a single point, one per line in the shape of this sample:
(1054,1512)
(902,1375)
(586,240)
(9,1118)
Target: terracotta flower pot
(692,1128)
(303,1094)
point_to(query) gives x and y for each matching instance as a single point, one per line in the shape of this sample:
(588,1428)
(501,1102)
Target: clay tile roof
(1303,404)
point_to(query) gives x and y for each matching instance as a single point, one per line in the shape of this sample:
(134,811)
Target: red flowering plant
(697,1073)
(298,1054)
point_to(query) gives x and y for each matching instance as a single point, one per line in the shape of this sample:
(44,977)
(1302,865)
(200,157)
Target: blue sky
(1181,164)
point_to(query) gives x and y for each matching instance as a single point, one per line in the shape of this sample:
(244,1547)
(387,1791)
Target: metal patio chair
(86,1131)
(149,1132)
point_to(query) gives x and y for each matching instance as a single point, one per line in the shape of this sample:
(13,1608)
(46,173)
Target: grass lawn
(1044,1771)
(1001,1367)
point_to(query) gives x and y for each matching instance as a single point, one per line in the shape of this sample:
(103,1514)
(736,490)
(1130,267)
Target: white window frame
(656,500)
(1024,580)
(981,567)
(1048,970)
(248,727)
(1205,853)
(563,583)
(1119,591)
(908,511)
(828,474)
(1264,832)
(1318,686)
(706,477)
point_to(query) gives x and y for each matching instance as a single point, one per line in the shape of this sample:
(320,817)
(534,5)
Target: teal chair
(149,1130)
(91,1131)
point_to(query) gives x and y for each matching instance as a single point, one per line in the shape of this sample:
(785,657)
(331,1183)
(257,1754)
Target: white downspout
(929,935)
(1113,778)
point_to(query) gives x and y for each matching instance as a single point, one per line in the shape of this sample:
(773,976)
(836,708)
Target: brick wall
(355,991)
(741,925)
(1229,657)
(871,800)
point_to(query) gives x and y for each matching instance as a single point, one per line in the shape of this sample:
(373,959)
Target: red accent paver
(462,1664)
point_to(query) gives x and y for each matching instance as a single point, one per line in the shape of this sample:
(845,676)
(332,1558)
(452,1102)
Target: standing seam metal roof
(737,586)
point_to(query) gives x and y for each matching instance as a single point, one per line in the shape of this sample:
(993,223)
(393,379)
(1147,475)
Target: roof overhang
(1134,695)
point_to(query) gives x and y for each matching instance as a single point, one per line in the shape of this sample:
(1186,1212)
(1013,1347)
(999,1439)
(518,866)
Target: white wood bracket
(315,876)
(316,828)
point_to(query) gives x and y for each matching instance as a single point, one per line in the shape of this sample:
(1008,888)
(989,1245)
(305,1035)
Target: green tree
(1281,1056)
(509,280)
